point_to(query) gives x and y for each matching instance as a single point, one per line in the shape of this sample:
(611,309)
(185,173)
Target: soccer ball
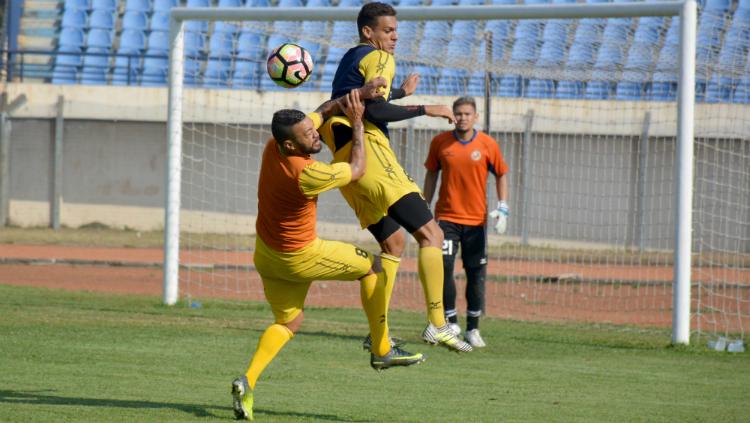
(289,65)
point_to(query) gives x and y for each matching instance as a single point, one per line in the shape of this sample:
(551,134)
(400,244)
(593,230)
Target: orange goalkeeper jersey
(463,185)
(288,190)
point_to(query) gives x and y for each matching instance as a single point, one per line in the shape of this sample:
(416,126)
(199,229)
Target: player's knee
(295,324)
(429,235)
(394,244)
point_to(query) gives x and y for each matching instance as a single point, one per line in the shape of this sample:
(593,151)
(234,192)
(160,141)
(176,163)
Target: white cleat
(474,338)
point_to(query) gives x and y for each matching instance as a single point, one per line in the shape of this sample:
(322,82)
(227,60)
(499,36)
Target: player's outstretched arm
(408,87)
(354,109)
(379,110)
(371,90)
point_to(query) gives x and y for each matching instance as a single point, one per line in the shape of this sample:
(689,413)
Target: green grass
(69,357)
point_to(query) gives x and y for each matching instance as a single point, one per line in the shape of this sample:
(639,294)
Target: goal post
(683,167)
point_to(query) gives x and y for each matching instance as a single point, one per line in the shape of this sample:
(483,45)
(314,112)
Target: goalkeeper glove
(501,214)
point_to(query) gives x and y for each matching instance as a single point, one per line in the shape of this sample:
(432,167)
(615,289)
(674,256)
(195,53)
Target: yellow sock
(271,342)
(431,276)
(372,292)
(390,268)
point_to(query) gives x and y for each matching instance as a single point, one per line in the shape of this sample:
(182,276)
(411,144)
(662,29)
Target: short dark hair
(465,100)
(282,123)
(369,14)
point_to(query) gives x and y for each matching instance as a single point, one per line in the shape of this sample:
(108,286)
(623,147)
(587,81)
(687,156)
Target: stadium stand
(125,42)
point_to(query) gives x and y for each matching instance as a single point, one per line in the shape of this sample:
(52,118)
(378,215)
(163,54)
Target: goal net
(585,111)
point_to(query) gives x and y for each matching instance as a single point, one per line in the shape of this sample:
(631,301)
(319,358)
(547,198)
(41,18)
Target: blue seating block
(540,88)
(164,5)
(101,19)
(154,69)
(99,38)
(106,5)
(160,21)
(134,20)
(77,5)
(74,18)
(95,66)
(137,6)
(569,89)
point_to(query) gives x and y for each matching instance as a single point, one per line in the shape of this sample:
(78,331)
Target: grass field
(91,357)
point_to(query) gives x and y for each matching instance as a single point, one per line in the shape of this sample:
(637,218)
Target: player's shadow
(40,398)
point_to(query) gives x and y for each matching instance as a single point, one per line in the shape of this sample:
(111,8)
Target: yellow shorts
(384,181)
(287,276)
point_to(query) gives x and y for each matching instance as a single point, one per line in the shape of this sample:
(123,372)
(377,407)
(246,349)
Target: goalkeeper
(466,157)
(386,197)
(288,254)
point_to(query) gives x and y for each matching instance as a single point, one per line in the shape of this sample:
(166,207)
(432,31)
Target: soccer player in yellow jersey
(386,198)
(288,254)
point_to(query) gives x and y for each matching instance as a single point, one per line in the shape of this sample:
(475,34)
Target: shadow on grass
(36,397)
(40,398)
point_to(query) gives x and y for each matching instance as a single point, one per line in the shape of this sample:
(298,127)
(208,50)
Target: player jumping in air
(386,198)
(288,254)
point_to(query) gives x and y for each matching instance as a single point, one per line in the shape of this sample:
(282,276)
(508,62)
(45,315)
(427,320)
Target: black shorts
(410,212)
(472,239)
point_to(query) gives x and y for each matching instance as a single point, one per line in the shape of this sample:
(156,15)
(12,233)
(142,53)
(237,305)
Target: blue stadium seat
(221,45)
(500,35)
(246,74)
(444,2)
(226,27)
(407,34)
(569,89)
(290,3)
(108,5)
(471,2)
(251,46)
(526,47)
(101,19)
(138,6)
(648,29)
(198,3)
(134,20)
(410,3)
(77,5)
(95,66)
(326,80)
(741,92)
(318,3)
(71,37)
(433,40)
(717,5)
(192,72)
(475,81)
(313,29)
(428,79)
(164,5)
(158,41)
(154,70)
(217,74)
(354,3)
(540,88)
(452,82)
(132,39)
(127,64)
(99,38)
(629,90)
(160,21)
(600,90)
(194,44)
(126,68)
(230,3)
(501,2)
(719,89)
(74,18)
(67,61)
(511,86)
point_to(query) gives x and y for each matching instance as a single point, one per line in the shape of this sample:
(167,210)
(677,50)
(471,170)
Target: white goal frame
(686,10)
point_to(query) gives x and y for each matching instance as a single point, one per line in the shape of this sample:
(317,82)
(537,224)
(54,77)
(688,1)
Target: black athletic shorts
(472,239)
(410,212)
